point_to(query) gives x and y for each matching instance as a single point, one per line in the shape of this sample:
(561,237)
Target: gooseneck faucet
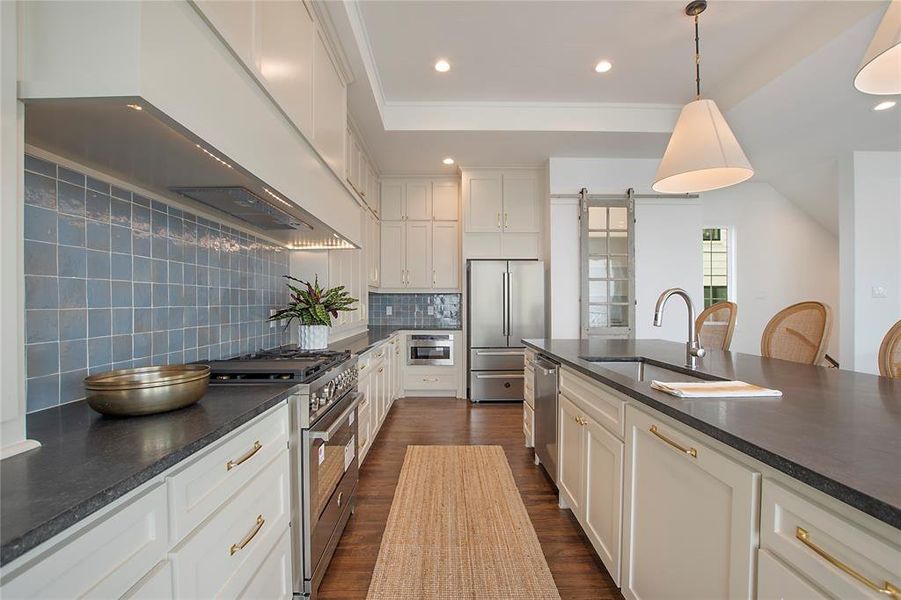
(693,348)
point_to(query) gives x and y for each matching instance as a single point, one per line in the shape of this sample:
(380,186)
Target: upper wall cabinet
(420,200)
(502,213)
(329,107)
(286,42)
(505,201)
(360,172)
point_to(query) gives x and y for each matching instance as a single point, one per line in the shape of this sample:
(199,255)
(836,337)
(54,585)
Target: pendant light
(880,69)
(702,153)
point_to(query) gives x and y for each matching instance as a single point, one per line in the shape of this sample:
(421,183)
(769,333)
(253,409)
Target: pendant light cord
(697,61)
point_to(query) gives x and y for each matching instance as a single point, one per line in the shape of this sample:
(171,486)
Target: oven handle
(328,433)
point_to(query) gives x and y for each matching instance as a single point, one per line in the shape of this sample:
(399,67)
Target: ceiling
(522,86)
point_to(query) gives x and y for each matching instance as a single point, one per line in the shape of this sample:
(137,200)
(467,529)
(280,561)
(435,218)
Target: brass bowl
(146,390)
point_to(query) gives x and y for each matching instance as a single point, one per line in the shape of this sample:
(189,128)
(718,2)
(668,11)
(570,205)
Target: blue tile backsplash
(413,310)
(116,280)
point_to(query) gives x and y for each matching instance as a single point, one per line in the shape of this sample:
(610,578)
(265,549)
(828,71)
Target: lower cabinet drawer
(223,555)
(155,585)
(496,385)
(822,546)
(105,559)
(414,381)
(528,424)
(364,427)
(775,581)
(273,579)
(197,490)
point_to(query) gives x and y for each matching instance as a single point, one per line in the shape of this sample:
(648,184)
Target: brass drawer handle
(245,457)
(247,538)
(505,220)
(381,369)
(498,220)
(340,497)
(364,404)
(886,589)
(689,451)
(430,379)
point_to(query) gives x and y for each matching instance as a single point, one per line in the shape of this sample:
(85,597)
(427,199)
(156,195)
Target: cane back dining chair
(715,325)
(799,333)
(890,353)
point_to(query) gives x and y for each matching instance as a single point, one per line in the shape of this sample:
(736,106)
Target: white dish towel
(715,389)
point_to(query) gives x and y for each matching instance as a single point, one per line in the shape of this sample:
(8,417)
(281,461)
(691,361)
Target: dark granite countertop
(837,431)
(87,460)
(359,344)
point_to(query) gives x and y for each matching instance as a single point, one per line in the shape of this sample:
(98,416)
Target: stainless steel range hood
(132,141)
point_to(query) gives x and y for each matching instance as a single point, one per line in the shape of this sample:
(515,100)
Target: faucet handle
(698,351)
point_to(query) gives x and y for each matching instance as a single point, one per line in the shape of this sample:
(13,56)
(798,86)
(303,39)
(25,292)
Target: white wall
(667,244)
(870,229)
(781,256)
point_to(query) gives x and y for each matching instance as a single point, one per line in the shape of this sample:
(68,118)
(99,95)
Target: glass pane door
(608,282)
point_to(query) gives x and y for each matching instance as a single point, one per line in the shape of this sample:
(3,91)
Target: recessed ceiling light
(448,161)
(885,105)
(603,66)
(442,66)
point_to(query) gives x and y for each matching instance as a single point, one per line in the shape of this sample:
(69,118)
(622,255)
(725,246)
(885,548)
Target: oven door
(331,473)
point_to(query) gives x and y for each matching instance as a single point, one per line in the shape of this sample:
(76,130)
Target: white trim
(361,36)
(18,447)
(330,37)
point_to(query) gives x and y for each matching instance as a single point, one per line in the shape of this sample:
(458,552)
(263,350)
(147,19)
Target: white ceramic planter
(312,337)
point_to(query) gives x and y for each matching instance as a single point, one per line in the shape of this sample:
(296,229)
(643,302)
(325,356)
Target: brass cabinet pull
(498,220)
(381,369)
(246,456)
(340,497)
(430,379)
(247,538)
(434,277)
(886,588)
(506,216)
(689,451)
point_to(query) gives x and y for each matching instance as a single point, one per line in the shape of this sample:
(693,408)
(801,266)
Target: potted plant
(313,307)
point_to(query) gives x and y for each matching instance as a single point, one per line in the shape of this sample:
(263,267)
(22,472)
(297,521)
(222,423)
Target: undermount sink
(641,370)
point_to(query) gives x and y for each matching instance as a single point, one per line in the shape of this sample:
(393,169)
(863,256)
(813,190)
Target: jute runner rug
(458,529)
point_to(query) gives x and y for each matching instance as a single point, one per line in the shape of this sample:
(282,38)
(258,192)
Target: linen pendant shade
(880,69)
(702,153)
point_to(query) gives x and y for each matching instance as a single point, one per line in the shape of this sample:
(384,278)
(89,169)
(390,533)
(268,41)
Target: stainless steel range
(323,445)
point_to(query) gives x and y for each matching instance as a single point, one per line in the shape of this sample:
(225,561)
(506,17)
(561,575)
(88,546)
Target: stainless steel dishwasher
(546,372)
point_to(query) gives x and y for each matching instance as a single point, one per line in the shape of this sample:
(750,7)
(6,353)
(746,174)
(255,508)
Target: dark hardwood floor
(577,571)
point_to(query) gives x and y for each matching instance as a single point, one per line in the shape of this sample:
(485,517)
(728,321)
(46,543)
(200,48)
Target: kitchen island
(837,431)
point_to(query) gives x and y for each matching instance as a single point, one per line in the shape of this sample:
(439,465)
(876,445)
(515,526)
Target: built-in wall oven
(330,474)
(431,349)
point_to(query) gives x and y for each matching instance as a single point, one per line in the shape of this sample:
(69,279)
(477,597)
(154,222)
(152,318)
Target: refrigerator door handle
(505,316)
(510,303)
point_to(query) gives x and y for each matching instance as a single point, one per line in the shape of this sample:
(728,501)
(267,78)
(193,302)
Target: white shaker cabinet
(372,249)
(234,21)
(418,261)
(776,581)
(690,517)
(393,247)
(417,201)
(445,201)
(286,37)
(445,254)
(329,107)
(484,204)
(570,465)
(602,519)
(392,201)
(520,202)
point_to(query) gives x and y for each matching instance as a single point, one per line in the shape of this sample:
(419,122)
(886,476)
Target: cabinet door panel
(604,494)
(484,203)
(392,254)
(418,201)
(286,40)
(571,460)
(444,201)
(377,244)
(329,108)
(392,201)
(520,203)
(445,261)
(690,522)
(775,581)
(419,254)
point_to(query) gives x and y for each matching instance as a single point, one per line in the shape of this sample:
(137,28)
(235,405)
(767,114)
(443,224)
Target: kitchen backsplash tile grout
(413,310)
(116,280)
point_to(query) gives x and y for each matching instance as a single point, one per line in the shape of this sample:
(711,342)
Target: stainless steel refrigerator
(504,304)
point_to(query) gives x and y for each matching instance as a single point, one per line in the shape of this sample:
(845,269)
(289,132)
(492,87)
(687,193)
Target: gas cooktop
(285,363)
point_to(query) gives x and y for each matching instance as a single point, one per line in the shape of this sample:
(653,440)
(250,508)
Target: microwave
(430,349)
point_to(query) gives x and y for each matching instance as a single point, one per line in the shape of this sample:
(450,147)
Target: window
(608,306)
(715,246)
